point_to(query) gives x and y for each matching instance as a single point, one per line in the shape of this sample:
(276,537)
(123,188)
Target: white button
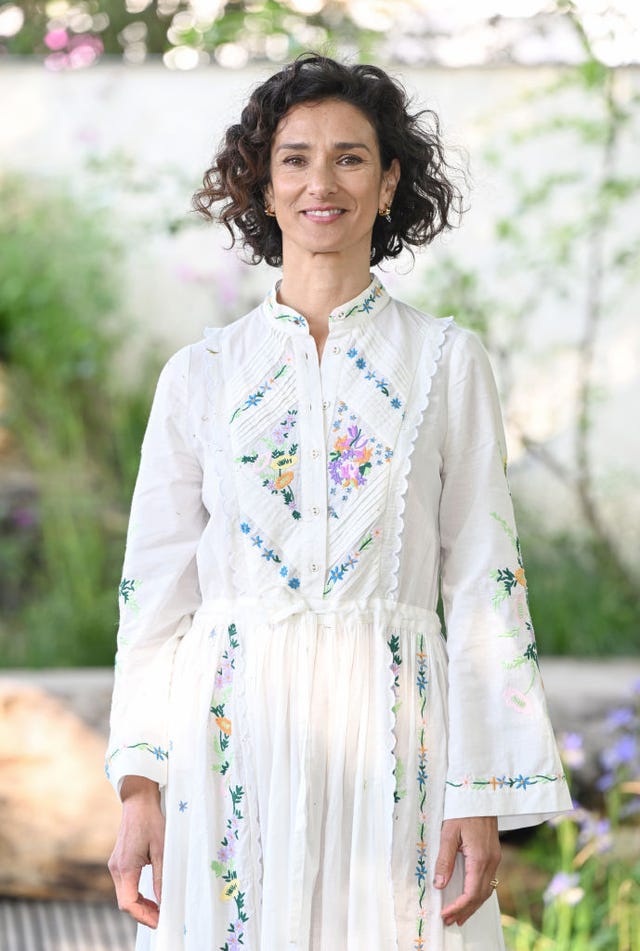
(315,453)
(326,404)
(335,348)
(314,567)
(315,510)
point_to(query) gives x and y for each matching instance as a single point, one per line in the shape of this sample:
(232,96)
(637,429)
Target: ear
(390,179)
(268,195)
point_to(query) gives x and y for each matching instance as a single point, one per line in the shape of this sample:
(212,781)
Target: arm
(504,769)
(159,590)
(158,594)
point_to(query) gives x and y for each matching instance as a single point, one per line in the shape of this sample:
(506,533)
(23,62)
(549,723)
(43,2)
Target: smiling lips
(323,214)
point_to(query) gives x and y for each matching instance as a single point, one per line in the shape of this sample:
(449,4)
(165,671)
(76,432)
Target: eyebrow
(304,146)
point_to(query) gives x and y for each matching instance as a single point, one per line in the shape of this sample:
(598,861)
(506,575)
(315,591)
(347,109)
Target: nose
(322,180)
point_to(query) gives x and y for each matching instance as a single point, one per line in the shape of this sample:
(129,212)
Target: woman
(304,762)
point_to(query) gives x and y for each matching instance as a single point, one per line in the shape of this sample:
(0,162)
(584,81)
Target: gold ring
(494,882)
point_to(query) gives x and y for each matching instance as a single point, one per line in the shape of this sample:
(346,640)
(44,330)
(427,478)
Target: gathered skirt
(306,775)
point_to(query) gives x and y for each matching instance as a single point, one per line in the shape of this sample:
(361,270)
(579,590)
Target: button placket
(311,553)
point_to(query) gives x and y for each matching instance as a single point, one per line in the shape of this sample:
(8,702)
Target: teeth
(324,214)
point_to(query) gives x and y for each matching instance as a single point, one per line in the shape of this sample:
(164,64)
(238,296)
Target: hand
(477,839)
(140,841)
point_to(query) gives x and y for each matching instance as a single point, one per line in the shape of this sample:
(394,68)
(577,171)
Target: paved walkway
(64,926)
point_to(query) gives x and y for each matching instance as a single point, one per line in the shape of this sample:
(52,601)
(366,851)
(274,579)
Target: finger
(130,900)
(449,844)
(143,910)
(156,866)
(476,890)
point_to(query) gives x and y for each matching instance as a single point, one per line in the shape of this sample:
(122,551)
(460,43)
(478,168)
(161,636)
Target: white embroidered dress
(281,670)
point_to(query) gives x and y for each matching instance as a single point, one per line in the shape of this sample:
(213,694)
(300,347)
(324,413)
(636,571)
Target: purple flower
(605,782)
(623,751)
(571,749)
(621,717)
(564,888)
(23,518)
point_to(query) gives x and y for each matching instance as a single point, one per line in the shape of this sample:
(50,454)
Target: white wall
(166,125)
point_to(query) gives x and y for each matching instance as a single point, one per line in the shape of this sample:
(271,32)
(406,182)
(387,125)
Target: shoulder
(460,349)
(192,361)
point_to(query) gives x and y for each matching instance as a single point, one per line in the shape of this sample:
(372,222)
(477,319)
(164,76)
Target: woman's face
(327,182)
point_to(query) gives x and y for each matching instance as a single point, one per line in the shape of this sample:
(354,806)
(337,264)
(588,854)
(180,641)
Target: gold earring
(386,213)
(269,212)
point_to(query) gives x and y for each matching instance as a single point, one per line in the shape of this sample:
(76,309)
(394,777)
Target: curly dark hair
(426,201)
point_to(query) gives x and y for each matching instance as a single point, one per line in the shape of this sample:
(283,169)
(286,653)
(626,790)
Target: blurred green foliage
(74,430)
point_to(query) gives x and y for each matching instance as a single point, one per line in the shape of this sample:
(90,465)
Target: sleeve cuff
(138,759)
(516,802)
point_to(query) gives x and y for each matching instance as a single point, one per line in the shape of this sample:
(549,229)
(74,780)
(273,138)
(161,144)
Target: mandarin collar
(354,312)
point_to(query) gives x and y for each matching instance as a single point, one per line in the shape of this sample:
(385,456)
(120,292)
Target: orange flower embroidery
(283,480)
(225,725)
(519,576)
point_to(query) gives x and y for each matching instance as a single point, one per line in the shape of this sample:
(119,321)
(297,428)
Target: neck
(316,286)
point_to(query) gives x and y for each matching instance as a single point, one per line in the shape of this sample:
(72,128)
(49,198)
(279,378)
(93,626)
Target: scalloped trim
(433,345)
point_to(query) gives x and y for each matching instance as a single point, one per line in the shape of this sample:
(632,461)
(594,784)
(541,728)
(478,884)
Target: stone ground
(73,707)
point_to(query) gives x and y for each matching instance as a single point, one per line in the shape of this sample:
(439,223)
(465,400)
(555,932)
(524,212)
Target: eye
(350,160)
(293,160)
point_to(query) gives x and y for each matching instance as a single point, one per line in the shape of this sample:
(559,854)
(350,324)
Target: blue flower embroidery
(372,376)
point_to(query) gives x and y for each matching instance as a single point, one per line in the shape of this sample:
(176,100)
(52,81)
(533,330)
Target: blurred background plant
(590,860)
(71,431)
(74,34)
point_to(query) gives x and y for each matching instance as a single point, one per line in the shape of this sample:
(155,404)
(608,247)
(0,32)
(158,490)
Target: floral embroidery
(296,319)
(269,554)
(337,572)
(275,462)
(254,398)
(156,751)
(370,374)
(421,846)
(365,306)
(396,660)
(223,866)
(352,458)
(511,582)
(182,806)
(507,782)
(126,591)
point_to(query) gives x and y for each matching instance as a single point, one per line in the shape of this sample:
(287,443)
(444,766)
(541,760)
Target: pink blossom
(56,39)
(56,62)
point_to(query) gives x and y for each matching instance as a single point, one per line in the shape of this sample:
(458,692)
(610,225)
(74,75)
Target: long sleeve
(159,590)
(502,755)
